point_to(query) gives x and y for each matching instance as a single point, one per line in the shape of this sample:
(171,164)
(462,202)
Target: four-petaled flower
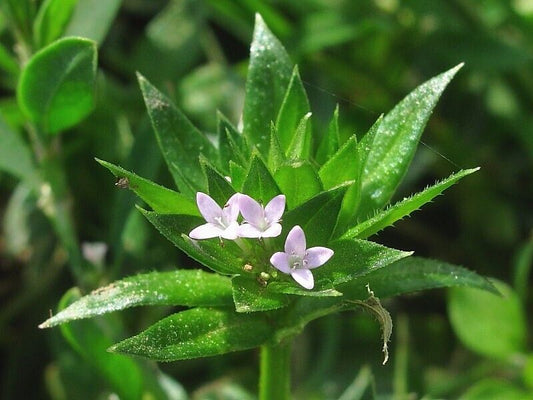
(259,221)
(221,222)
(297,260)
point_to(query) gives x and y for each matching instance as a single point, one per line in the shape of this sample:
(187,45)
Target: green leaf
(51,20)
(259,183)
(161,199)
(174,288)
(300,146)
(495,389)
(355,258)
(317,216)
(250,296)
(93,18)
(218,187)
(238,175)
(330,142)
(414,274)
(230,142)
(180,142)
(396,140)
(200,332)
(269,73)
(343,166)
(8,62)
(299,182)
(403,208)
(56,87)
(15,155)
(276,156)
(295,105)
(476,315)
(289,287)
(91,341)
(221,258)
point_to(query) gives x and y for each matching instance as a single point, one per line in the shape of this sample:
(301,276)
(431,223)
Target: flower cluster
(259,222)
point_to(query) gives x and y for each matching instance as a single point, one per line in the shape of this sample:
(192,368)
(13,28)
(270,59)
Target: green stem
(275,377)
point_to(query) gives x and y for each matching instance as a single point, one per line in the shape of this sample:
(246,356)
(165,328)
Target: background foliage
(363,55)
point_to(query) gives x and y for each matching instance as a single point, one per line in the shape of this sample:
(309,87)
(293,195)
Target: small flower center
(296,261)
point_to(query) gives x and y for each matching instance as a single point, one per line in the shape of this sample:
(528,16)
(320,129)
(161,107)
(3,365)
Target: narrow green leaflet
(174,288)
(200,332)
(15,155)
(300,146)
(93,18)
(269,73)
(220,257)
(180,142)
(218,187)
(259,183)
(238,175)
(354,258)
(8,62)
(276,155)
(56,87)
(396,140)
(476,315)
(413,274)
(403,208)
(343,166)
(330,142)
(295,105)
(51,20)
(299,182)
(230,146)
(161,199)
(90,340)
(317,216)
(250,295)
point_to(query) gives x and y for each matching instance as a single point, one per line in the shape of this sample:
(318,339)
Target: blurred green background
(364,55)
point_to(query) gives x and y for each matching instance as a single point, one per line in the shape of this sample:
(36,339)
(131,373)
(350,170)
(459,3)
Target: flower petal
(251,210)
(231,209)
(206,231)
(280,260)
(295,242)
(317,256)
(209,209)
(249,231)
(304,277)
(275,208)
(272,231)
(231,232)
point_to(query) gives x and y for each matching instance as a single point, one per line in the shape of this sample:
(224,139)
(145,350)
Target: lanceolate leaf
(269,73)
(200,332)
(403,208)
(219,188)
(220,257)
(180,142)
(330,142)
(161,199)
(343,166)
(317,216)
(300,146)
(295,105)
(299,182)
(354,258)
(56,88)
(396,140)
(250,295)
(259,183)
(413,274)
(230,142)
(174,288)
